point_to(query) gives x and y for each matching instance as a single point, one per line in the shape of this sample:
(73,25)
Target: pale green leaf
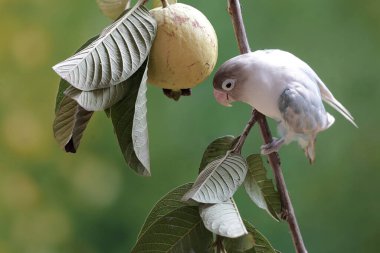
(100,99)
(69,124)
(140,124)
(223,219)
(216,149)
(112,58)
(181,230)
(63,84)
(253,242)
(170,202)
(260,189)
(70,118)
(219,180)
(130,123)
(113,8)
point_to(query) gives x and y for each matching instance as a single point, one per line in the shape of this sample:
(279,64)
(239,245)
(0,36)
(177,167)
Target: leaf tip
(70,147)
(145,173)
(188,198)
(58,70)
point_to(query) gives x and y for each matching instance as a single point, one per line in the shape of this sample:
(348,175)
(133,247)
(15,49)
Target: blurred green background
(91,202)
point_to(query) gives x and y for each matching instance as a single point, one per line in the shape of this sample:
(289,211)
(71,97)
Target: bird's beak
(222,98)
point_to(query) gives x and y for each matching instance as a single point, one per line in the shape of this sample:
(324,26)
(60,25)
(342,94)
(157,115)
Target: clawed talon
(274,146)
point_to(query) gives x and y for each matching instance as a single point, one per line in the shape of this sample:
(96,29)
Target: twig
(243,136)
(238,23)
(274,160)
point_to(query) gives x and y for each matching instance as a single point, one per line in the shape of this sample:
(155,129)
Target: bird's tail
(307,143)
(329,121)
(330,99)
(310,151)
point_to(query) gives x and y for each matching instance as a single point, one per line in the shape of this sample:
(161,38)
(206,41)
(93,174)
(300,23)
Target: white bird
(283,87)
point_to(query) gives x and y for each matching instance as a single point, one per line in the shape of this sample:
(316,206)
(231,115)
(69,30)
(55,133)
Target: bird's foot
(274,146)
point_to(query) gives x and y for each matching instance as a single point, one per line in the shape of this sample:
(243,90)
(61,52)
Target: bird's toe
(274,146)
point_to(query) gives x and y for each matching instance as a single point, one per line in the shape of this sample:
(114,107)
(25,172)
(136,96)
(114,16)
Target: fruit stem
(164,3)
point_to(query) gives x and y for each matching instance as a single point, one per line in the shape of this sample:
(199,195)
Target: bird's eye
(228,84)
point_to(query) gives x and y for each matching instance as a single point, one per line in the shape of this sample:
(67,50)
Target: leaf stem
(288,213)
(219,247)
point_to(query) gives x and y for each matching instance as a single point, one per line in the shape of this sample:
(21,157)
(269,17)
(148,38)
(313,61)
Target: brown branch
(244,135)
(274,160)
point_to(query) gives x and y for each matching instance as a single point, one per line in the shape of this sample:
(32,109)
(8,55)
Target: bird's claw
(274,146)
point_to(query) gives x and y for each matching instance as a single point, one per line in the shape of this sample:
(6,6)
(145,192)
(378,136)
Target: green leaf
(70,118)
(112,58)
(170,202)
(63,84)
(100,99)
(216,149)
(130,123)
(181,230)
(260,189)
(108,112)
(253,242)
(69,124)
(112,8)
(219,180)
(174,227)
(243,243)
(223,219)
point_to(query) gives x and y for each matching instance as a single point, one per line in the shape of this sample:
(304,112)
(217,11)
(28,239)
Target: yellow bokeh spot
(31,47)
(23,133)
(18,191)
(42,228)
(4,248)
(96,184)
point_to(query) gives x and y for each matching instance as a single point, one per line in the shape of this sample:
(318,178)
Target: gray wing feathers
(328,97)
(302,112)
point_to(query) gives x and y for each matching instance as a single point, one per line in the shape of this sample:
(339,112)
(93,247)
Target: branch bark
(239,145)
(288,213)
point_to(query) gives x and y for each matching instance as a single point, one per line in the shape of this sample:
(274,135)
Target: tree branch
(244,135)
(274,160)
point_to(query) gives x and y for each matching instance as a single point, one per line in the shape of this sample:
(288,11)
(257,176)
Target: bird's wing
(326,95)
(303,111)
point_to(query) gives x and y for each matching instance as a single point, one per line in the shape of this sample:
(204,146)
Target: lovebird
(283,87)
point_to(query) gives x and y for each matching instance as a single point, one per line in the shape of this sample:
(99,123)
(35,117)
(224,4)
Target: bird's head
(229,81)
